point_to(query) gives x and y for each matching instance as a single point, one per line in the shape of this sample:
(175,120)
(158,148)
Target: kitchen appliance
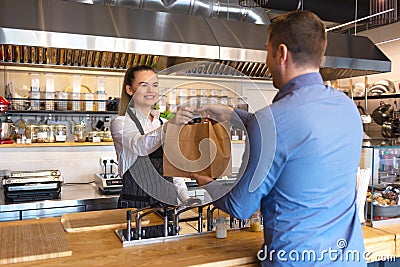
(382,113)
(23,186)
(7,126)
(108,183)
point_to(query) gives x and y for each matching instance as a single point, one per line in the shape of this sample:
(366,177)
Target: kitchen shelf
(24,106)
(383,96)
(58,112)
(58,144)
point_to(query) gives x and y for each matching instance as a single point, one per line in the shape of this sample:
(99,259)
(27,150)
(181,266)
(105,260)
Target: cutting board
(96,220)
(34,241)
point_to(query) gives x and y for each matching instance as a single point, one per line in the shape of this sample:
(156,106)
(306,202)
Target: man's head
(302,34)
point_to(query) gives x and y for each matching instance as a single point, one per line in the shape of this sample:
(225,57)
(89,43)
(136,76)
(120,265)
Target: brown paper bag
(203,148)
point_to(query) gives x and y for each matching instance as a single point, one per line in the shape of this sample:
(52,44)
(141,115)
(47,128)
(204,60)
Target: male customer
(304,184)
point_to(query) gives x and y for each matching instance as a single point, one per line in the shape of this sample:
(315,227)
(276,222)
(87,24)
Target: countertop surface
(240,248)
(103,248)
(71,194)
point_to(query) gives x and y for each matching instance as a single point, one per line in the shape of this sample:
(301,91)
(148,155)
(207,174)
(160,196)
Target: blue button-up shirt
(304,151)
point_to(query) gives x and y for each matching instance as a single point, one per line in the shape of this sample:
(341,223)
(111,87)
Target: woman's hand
(183,116)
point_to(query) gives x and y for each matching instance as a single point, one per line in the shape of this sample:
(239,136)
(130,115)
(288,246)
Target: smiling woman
(137,133)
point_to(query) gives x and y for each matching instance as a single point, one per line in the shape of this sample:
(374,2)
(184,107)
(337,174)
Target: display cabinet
(383,197)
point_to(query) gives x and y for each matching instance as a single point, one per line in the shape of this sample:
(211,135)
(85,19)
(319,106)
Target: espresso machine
(6,126)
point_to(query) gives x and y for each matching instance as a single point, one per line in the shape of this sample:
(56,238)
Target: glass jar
(255,222)
(43,133)
(60,133)
(52,134)
(235,134)
(94,136)
(80,133)
(31,133)
(221,227)
(107,137)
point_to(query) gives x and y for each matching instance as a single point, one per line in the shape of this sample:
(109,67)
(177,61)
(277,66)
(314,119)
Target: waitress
(138,133)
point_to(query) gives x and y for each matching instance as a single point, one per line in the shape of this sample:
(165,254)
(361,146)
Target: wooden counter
(395,230)
(103,248)
(379,244)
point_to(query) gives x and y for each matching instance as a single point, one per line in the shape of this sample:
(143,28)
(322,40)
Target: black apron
(145,179)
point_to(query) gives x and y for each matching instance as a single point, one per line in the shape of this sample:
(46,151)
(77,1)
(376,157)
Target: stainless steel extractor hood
(71,34)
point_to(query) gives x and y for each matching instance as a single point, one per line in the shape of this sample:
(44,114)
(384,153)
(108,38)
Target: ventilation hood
(76,35)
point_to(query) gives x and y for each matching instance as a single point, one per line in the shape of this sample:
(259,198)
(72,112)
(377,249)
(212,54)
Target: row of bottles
(389,160)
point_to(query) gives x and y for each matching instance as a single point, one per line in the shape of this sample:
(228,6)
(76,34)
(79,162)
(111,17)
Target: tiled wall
(77,164)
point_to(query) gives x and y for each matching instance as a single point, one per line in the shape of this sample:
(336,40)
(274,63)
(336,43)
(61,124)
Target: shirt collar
(139,114)
(298,82)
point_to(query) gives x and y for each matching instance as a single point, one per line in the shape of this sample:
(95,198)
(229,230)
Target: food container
(62,102)
(35,100)
(43,133)
(221,227)
(94,136)
(52,134)
(107,137)
(49,104)
(255,222)
(88,104)
(31,133)
(203,100)
(35,82)
(80,133)
(60,133)
(100,103)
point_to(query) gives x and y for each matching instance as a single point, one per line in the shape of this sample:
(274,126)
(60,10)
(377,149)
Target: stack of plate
(382,87)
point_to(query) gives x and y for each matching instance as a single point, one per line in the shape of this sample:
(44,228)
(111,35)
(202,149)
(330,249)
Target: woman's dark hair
(128,80)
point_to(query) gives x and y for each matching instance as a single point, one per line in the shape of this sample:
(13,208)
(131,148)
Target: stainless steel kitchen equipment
(23,186)
(108,183)
(174,38)
(7,127)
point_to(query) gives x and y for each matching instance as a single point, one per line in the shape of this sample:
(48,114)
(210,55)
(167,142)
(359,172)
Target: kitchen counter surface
(103,248)
(71,195)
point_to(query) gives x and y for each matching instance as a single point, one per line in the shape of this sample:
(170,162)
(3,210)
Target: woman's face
(144,89)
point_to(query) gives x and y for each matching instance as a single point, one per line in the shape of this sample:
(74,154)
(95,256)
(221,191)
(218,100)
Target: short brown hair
(304,35)
(128,79)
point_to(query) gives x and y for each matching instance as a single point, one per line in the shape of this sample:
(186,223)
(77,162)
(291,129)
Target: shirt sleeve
(241,118)
(259,170)
(116,127)
(181,188)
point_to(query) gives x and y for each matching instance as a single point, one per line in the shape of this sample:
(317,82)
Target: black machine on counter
(23,186)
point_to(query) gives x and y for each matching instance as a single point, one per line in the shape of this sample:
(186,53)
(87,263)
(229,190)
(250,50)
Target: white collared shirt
(129,143)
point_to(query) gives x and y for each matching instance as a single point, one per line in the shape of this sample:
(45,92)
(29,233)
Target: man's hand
(218,112)
(202,179)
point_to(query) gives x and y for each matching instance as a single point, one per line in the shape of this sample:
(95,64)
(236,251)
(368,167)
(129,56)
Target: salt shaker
(221,227)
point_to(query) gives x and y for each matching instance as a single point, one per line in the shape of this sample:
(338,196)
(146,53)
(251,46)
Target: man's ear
(282,53)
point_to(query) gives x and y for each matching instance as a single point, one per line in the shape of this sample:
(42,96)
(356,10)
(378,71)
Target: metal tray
(388,211)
